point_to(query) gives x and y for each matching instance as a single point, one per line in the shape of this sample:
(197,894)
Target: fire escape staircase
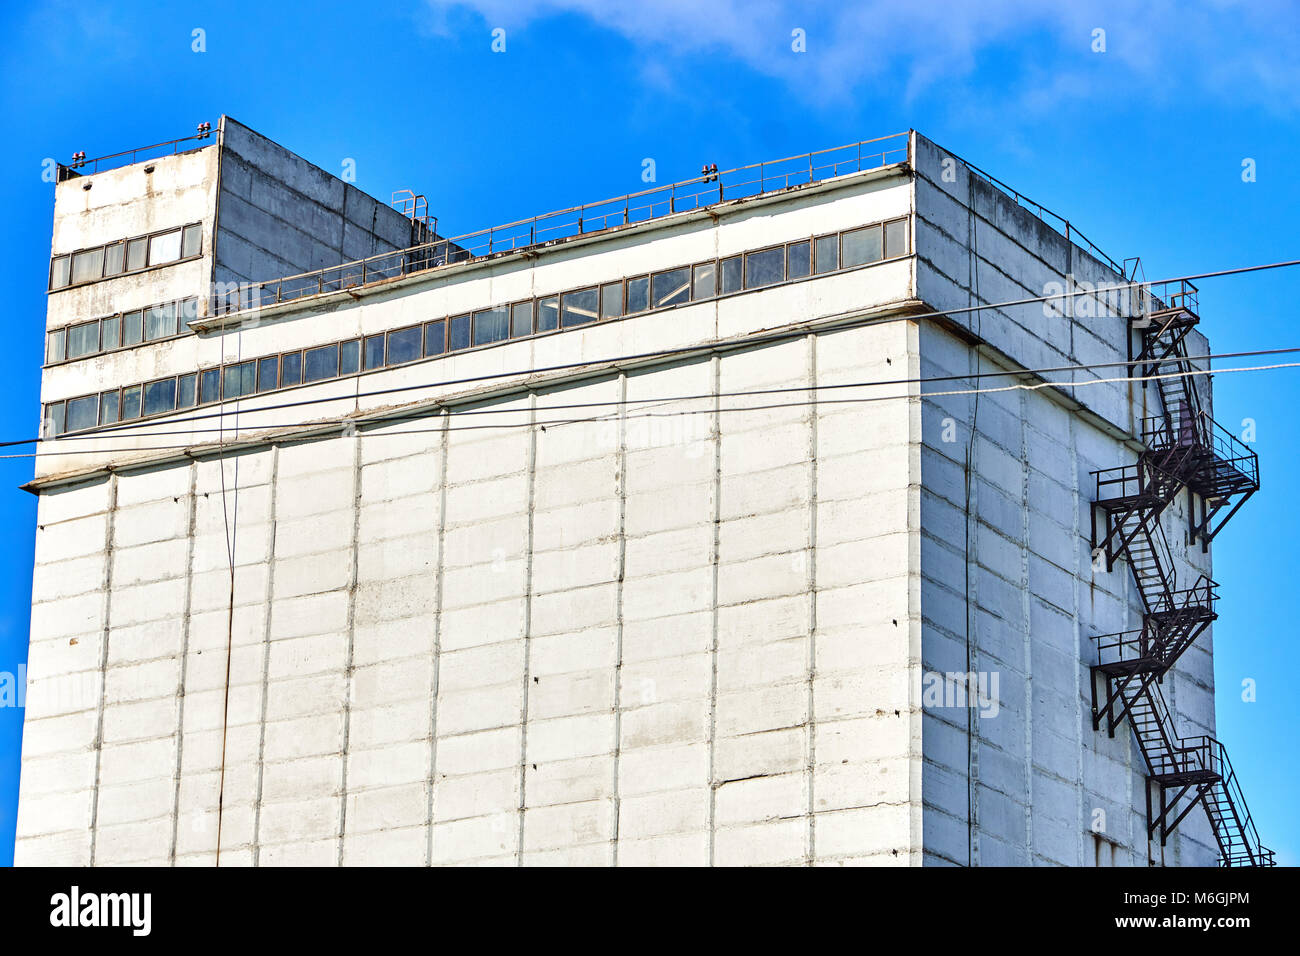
(1185,448)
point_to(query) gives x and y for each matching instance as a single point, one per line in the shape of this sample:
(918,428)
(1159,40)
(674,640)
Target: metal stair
(1185,449)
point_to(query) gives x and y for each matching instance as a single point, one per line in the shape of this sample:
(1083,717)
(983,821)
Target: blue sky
(1141,146)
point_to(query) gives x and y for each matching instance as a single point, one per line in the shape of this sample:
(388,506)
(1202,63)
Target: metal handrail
(101,163)
(642,206)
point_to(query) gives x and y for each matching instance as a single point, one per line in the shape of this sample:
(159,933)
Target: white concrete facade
(670,609)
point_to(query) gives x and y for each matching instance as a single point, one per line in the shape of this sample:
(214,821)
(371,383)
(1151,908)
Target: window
(321,363)
(87,265)
(349,357)
(53,419)
(160,321)
(578,308)
(611,300)
(435,338)
(374,351)
(799,256)
(732,275)
(160,396)
(491,325)
(188,311)
(209,386)
(404,345)
(130,403)
(59,272)
(828,254)
(132,328)
(137,251)
(896,238)
(165,247)
(670,288)
(82,413)
(187,390)
(548,314)
(458,333)
(863,245)
(114,258)
(108,407)
(268,373)
(239,380)
(638,294)
(290,369)
(191,240)
(54,344)
(764,268)
(83,339)
(111,332)
(521,320)
(705,281)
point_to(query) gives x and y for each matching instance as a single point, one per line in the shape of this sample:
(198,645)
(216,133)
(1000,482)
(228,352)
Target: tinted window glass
(434,338)
(548,314)
(349,357)
(59,272)
(611,300)
(191,240)
(54,346)
(321,363)
(704,285)
(638,295)
(87,265)
(160,321)
(83,339)
(490,325)
(160,396)
(896,238)
(209,385)
(111,330)
(374,351)
(132,328)
(403,346)
(732,274)
(521,319)
(290,369)
(114,258)
(268,373)
(828,254)
(186,390)
(579,308)
(238,380)
(800,259)
(863,245)
(165,248)
(130,403)
(764,268)
(137,251)
(108,408)
(458,335)
(83,413)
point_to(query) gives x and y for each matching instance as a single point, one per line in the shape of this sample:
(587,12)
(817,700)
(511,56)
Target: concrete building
(698,526)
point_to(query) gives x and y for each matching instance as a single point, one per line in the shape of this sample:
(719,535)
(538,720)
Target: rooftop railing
(81,166)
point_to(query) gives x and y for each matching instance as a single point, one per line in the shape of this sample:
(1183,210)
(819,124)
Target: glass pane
(130,403)
(611,300)
(638,295)
(458,336)
(209,386)
(187,390)
(491,325)
(732,275)
(53,419)
(191,240)
(521,319)
(578,308)
(88,265)
(114,258)
(165,248)
(112,332)
(800,256)
(374,351)
(136,254)
(188,311)
(268,373)
(548,314)
(403,346)
(828,254)
(435,338)
(290,369)
(160,321)
(705,282)
(160,396)
(83,339)
(896,238)
(59,273)
(670,288)
(350,357)
(83,413)
(764,268)
(238,380)
(863,245)
(108,407)
(132,328)
(321,363)
(54,346)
